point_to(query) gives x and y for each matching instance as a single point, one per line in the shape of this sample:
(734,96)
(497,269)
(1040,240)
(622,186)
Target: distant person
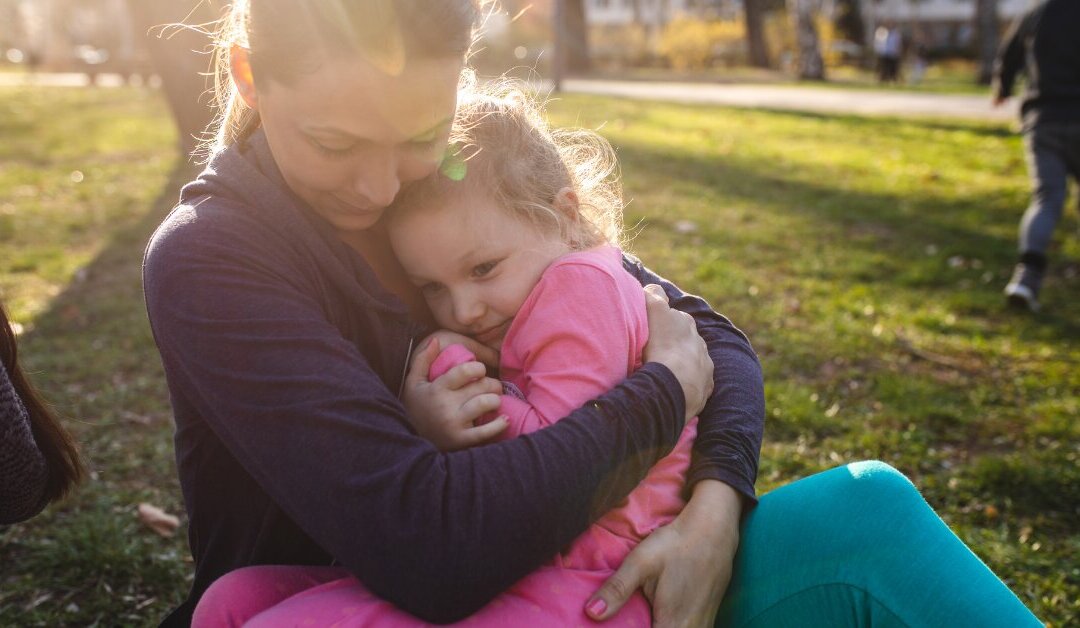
(38,459)
(887,48)
(920,61)
(1044,44)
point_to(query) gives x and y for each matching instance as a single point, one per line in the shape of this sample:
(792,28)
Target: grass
(864,257)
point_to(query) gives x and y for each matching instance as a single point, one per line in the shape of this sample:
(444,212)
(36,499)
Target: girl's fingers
(461,375)
(483,433)
(483,353)
(479,405)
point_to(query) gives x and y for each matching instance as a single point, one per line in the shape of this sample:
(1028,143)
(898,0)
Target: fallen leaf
(158,520)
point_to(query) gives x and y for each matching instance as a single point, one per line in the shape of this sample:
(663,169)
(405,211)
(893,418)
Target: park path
(786,97)
(867,102)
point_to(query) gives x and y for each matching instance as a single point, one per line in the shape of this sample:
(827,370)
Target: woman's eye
(481,270)
(332,151)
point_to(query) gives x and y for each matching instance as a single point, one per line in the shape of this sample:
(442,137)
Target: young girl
(38,459)
(514,242)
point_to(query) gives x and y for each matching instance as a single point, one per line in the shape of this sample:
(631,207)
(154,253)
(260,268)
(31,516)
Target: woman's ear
(240,68)
(567,203)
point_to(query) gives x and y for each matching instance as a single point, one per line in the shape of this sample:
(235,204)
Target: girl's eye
(431,288)
(481,270)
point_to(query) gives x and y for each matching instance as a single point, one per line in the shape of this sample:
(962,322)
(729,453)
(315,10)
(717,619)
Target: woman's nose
(377,180)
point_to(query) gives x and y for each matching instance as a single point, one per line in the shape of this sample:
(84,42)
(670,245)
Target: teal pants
(858,546)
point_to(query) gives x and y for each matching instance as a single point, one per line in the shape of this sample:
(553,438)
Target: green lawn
(864,257)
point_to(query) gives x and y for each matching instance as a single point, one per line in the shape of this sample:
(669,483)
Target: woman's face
(347,136)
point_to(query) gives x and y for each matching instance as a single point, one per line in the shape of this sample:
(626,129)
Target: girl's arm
(23,472)
(260,377)
(581,335)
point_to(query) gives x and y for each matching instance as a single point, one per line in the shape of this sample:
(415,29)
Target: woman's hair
(288,38)
(56,445)
(501,144)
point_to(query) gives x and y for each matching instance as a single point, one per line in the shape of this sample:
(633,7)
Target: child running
(515,243)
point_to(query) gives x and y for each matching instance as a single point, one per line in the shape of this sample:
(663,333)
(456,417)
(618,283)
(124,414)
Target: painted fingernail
(596,607)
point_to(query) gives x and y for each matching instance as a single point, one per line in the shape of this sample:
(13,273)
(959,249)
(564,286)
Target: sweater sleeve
(1010,59)
(23,473)
(246,344)
(730,428)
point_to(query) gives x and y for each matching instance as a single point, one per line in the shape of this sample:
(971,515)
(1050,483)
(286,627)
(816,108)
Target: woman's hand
(683,568)
(675,343)
(443,411)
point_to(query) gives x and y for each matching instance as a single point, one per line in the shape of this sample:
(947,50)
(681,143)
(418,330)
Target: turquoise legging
(858,546)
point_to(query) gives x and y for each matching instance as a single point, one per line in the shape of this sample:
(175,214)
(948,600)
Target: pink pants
(271,596)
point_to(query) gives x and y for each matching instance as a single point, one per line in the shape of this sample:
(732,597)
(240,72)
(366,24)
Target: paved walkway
(799,98)
(793,97)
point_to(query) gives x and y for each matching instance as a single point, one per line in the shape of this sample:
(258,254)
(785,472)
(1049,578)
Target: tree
(575,36)
(810,66)
(849,21)
(986,25)
(758,51)
(175,55)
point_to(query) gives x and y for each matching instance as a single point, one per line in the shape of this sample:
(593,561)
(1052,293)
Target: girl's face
(347,136)
(474,261)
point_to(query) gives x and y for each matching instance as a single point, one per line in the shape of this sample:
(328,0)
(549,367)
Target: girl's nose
(467,309)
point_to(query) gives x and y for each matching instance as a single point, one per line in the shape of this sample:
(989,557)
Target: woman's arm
(23,472)
(730,427)
(250,353)
(685,567)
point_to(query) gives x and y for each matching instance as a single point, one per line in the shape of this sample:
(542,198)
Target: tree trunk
(575,36)
(177,59)
(986,26)
(756,48)
(810,66)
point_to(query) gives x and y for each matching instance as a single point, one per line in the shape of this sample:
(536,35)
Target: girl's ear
(567,203)
(240,68)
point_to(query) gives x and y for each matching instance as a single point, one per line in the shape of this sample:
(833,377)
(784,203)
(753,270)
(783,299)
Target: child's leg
(858,546)
(240,595)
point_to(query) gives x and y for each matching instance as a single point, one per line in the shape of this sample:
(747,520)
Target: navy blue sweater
(1044,44)
(283,354)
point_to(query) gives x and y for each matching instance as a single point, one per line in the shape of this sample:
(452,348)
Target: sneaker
(1023,288)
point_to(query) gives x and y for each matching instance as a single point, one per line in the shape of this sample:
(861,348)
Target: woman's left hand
(683,568)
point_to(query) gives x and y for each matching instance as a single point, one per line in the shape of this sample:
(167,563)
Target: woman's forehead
(353,97)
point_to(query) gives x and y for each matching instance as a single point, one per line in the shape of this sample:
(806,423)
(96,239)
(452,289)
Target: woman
(285,327)
(38,459)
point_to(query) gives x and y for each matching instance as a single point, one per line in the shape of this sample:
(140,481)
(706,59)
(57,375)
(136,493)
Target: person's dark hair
(56,444)
(287,38)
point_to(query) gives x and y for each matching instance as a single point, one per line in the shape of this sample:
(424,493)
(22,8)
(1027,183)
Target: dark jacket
(1044,44)
(24,475)
(283,356)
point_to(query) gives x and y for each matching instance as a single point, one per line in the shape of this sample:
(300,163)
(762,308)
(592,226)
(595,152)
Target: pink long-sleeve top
(581,330)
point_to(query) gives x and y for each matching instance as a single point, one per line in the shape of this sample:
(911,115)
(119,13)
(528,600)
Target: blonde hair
(284,38)
(501,144)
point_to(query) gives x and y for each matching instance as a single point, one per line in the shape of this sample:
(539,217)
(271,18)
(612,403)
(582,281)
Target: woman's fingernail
(596,607)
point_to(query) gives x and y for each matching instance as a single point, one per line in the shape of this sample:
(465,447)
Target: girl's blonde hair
(285,39)
(501,145)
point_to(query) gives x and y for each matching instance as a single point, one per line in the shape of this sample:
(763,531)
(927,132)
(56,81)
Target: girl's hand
(675,343)
(443,411)
(683,568)
(445,338)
